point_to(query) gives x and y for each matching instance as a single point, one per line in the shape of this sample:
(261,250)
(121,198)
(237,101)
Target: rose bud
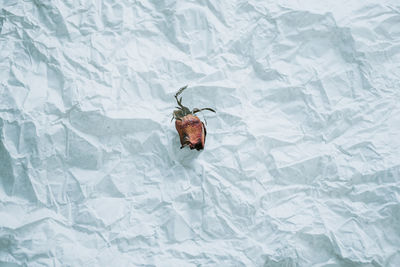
(192,131)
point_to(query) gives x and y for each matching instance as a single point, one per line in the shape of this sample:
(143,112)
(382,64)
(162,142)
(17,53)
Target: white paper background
(302,160)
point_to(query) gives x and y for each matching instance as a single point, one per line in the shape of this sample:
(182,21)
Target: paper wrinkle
(301,164)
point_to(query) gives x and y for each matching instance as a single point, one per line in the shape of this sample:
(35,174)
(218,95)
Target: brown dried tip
(192,131)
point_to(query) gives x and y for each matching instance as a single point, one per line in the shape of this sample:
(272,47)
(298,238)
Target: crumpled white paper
(302,160)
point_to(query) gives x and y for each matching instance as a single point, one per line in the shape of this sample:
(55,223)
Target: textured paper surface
(302,160)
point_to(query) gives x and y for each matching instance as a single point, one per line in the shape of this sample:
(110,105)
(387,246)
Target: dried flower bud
(192,131)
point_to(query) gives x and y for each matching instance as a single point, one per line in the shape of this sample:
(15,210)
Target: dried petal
(191,132)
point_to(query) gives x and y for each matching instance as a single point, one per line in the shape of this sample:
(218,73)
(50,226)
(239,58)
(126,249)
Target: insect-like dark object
(192,131)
